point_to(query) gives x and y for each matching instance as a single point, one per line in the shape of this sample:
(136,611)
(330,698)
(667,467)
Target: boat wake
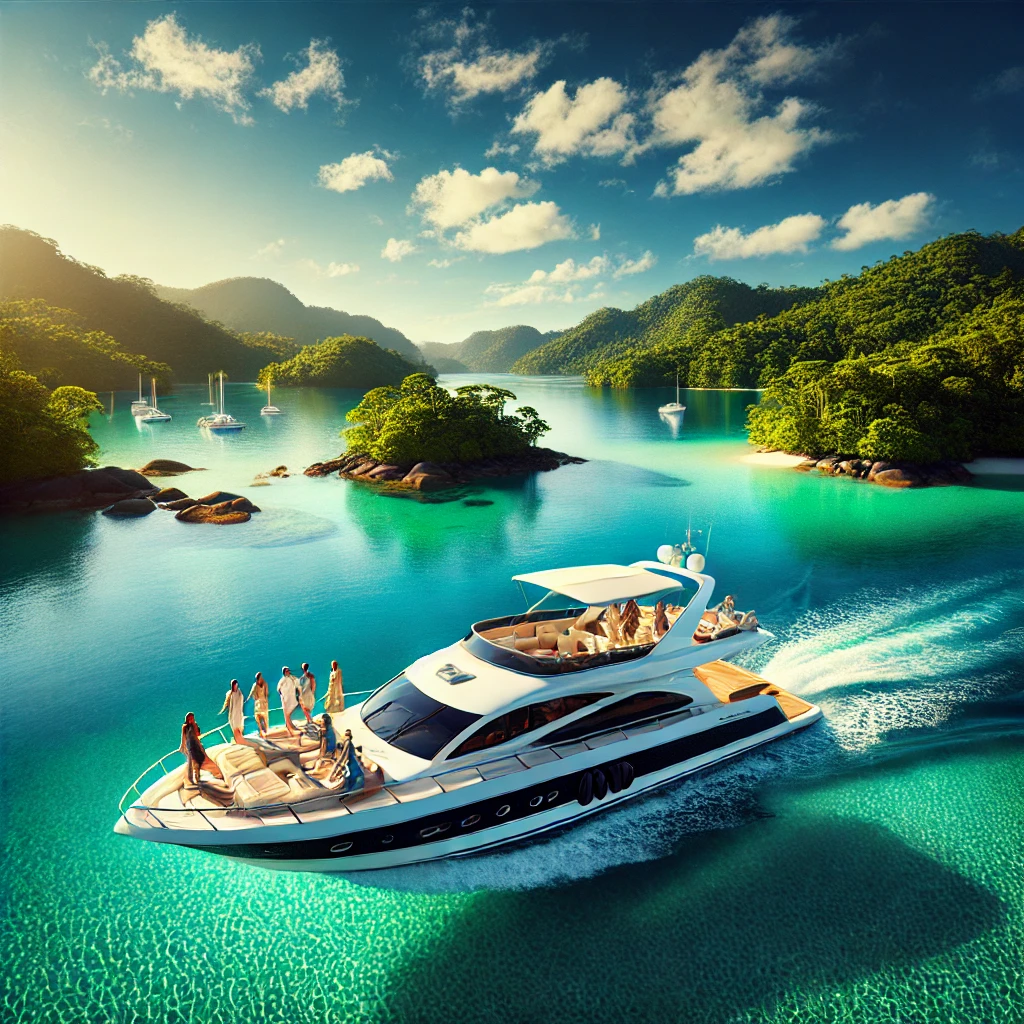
(887,669)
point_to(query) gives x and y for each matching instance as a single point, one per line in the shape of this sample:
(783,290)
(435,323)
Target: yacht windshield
(407,718)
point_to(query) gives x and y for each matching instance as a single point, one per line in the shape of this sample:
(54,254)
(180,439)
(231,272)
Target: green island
(344,362)
(918,358)
(422,436)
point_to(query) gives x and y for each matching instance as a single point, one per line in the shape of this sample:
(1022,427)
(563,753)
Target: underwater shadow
(45,548)
(729,927)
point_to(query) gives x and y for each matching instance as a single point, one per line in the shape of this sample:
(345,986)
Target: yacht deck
(730,683)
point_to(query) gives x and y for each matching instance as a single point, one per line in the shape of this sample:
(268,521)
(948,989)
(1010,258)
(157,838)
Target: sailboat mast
(152,391)
(677,387)
(140,387)
(222,393)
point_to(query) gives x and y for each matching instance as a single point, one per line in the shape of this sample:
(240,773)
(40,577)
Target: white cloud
(374,219)
(638,266)
(356,170)
(397,249)
(525,226)
(790,235)
(470,67)
(445,263)
(560,284)
(271,249)
(497,148)
(331,270)
(592,123)
(895,219)
(165,59)
(718,103)
(451,199)
(322,73)
(595,232)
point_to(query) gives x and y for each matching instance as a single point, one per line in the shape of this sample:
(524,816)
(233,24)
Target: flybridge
(599,584)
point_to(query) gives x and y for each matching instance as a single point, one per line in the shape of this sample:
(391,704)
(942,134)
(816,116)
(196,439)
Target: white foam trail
(884,661)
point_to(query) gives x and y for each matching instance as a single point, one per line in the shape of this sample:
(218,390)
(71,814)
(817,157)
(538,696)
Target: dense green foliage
(918,358)
(487,351)
(125,308)
(42,432)
(344,362)
(249,304)
(53,345)
(420,421)
(639,347)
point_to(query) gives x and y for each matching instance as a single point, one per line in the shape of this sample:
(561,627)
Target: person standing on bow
(334,702)
(288,690)
(260,696)
(233,705)
(307,692)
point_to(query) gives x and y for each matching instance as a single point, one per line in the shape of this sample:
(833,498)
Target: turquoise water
(870,869)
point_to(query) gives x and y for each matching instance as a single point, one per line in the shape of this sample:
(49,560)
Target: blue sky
(448,169)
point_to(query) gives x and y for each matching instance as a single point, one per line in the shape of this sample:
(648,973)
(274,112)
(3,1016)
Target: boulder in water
(179,504)
(897,478)
(216,497)
(281,471)
(167,494)
(130,508)
(166,467)
(219,515)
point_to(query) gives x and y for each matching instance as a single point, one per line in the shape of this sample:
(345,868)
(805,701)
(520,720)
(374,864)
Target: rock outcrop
(166,467)
(88,488)
(223,514)
(431,476)
(130,508)
(890,474)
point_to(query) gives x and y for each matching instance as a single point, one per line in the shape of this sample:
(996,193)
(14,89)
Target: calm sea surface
(870,869)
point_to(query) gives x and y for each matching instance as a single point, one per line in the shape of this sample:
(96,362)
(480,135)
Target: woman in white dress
(234,700)
(335,699)
(288,690)
(307,692)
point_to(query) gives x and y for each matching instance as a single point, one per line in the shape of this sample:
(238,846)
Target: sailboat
(673,408)
(140,406)
(153,413)
(220,422)
(268,409)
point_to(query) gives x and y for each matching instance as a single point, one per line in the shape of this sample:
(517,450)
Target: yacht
(153,413)
(673,408)
(140,405)
(268,409)
(614,683)
(220,422)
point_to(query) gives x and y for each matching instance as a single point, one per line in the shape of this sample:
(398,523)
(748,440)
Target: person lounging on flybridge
(611,684)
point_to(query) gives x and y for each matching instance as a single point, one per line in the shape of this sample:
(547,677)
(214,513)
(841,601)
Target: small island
(421,437)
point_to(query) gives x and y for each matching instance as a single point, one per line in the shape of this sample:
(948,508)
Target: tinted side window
(524,719)
(622,713)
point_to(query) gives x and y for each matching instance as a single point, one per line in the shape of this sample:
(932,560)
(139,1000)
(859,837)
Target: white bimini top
(599,584)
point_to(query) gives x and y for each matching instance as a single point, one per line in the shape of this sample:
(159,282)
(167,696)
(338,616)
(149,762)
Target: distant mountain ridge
(694,310)
(127,309)
(487,351)
(260,304)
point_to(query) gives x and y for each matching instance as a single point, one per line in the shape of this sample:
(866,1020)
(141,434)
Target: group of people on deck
(295,692)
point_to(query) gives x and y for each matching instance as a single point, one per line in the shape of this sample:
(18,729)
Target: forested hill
(684,316)
(342,362)
(489,351)
(259,304)
(127,310)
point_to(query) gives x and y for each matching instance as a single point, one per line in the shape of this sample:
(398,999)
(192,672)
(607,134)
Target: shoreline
(994,466)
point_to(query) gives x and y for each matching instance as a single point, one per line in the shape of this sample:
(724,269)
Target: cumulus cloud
(793,234)
(469,66)
(593,122)
(444,264)
(525,226)
(561,283)
(165,59)
(719,104)
(451,199)
(321,74)
(594,231)
(356,170)
(397,249)
(498,148)
(638,266)
(893,219)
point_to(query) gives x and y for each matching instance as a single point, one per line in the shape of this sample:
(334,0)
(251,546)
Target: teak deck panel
(730,683)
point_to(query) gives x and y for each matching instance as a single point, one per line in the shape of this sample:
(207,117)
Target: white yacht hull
(392,836)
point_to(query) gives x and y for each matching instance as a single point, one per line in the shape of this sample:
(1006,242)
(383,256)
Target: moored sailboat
(220,422)
(268,409)
(153,413)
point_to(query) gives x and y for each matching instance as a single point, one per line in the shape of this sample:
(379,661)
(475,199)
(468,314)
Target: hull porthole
(600,784)
(536,801)
(433,830)
(473,819)
(385,840)
(341,847)
(503,810)
(585,793)
(552,796)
